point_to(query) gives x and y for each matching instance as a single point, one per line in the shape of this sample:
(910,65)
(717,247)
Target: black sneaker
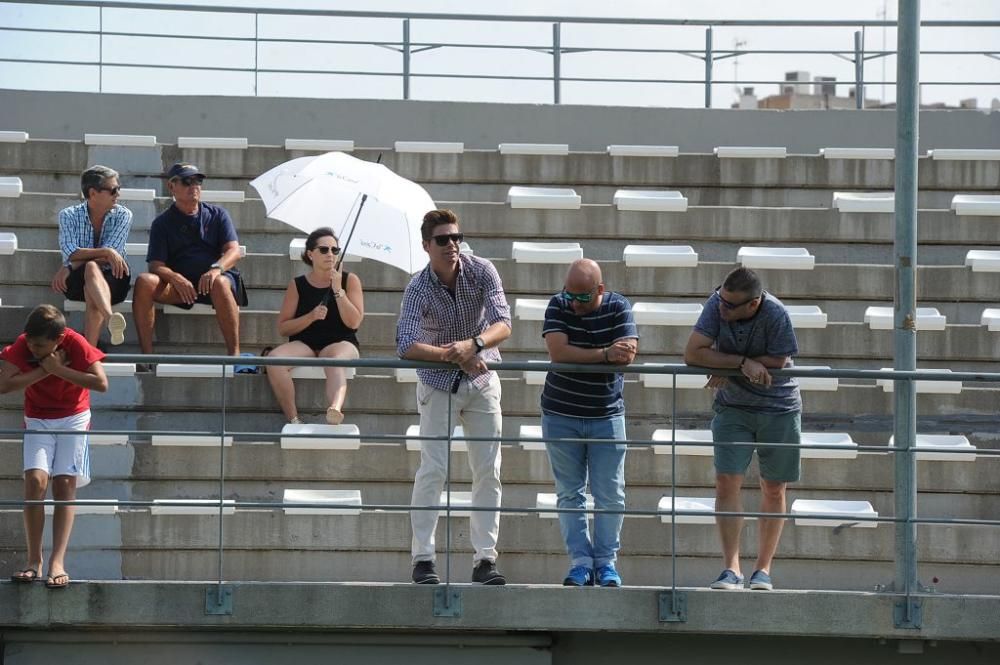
(486,572)
(425,573)
(145,368)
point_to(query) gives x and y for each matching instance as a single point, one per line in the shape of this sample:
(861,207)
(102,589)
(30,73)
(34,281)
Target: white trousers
(479,414)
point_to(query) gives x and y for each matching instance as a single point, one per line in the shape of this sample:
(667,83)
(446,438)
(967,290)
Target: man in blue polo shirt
(586,324)
(192,254)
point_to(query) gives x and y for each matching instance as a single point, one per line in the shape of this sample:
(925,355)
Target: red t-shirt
(53,397)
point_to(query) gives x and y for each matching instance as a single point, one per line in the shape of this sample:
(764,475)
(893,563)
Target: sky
(179,47)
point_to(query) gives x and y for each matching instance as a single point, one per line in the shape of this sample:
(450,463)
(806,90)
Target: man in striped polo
(585,324)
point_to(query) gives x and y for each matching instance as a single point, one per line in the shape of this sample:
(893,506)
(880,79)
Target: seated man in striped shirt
(585,324)
(92,238)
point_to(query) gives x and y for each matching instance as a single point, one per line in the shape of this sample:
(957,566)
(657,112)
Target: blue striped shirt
(76,231)
(431,314)
(582,395)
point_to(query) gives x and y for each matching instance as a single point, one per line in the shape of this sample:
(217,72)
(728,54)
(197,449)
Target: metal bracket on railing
(219,600)
(908,613)
(673,607)
(447,603)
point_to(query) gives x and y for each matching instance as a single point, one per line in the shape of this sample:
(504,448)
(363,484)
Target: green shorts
(777,464)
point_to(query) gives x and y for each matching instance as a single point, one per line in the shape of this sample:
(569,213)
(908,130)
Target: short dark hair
(321,232)
(436,218)
(94,178)
(45,321)
(743,280)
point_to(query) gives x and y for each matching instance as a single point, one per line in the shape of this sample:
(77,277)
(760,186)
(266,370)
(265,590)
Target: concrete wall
(377,123)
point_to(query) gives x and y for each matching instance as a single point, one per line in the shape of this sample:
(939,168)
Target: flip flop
(52,582)
(26,576)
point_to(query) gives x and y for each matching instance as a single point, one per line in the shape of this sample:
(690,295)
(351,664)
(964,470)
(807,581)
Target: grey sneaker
(424,572)
(728,580)
(760,581)
(486,572)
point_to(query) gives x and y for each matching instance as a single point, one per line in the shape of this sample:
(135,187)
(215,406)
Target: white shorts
(59,454)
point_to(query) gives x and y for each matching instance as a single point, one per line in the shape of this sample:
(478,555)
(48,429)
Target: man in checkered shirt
(455,311)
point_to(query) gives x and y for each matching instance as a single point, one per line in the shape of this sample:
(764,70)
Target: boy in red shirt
(56,368)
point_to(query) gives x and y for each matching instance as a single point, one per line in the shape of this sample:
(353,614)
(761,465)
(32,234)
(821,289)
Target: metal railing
(558,48)
(672,603)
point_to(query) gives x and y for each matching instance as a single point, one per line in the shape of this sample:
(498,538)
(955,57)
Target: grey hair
(94,177)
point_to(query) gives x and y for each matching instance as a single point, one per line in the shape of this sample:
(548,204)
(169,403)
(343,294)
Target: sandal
(60,581)
(26,576)
(334,416)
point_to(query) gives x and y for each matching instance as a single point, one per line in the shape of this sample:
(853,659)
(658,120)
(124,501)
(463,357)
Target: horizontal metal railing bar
(512,18)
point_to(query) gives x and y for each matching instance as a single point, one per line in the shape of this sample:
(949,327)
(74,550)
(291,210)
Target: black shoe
(486,572)
(145,368)
(425,573)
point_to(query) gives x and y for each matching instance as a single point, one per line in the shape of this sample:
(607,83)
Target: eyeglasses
(113,191)
(190,180)
(579,297)
(732,305)
(445,238)
(324,249)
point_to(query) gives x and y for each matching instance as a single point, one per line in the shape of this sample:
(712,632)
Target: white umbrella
(375,213)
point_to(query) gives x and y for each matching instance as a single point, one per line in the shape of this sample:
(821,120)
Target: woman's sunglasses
(445,238)
(323,249)
(579,297)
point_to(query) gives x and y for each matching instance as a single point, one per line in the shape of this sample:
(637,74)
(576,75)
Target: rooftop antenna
(737,45)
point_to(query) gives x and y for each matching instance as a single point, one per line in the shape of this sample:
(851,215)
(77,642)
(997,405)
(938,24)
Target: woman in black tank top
(320,314)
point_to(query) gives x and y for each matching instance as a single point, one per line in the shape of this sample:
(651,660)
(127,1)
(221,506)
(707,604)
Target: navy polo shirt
(190,244)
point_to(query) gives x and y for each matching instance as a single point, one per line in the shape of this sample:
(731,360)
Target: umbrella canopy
(331,189)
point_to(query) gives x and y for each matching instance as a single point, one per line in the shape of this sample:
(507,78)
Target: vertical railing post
(406,58)
(859,71)
(256,52)
(100,49)
(556,63)
(673,605)
(907,611)
(709,60)
(219,599)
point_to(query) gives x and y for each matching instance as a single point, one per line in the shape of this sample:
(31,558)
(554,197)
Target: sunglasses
(579,297)
(732,305)
(323,249)
(113,191)
(445,238)
(190,181)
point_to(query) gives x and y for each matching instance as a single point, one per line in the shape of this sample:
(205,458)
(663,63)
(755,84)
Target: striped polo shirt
(582,395)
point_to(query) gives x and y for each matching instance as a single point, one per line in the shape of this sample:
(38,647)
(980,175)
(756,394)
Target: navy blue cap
(181,170)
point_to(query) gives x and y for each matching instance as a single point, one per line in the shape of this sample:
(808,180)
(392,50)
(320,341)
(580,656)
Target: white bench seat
(136,194)
(178,370)
(124,306)
(817,382)
(621,150)
(121,140)
(660,256)
(533,378)
(548,198)
(317,373)
(320,145)
(684,440)
(105,507)
(865,201)
(119,369)
(750,152)
(784,258)
(943,448)
(546,252)
(197,441)
(684,381)
(965,154)
(406,375)
(976,204)
(550,501)
(845,446)
(685,506)
(223,196)
(440,147)
(666,313)
(336,502)
(981,260)
(336,437)
(8,243)
(925,385)
(847,511)
(531,432)
(459,500)
(928,318)
(858,153)
(991,319)
(648,200)
(14,137)
(213,142)
(107,439)
(530,309)
(11,187)
(806,316)
(193,507)
(413,440)
(533,148)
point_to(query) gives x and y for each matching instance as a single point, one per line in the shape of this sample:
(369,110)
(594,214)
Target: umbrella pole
(343,247)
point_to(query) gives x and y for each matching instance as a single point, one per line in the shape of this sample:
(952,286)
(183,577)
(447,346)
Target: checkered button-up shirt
(431,314)
(76,231)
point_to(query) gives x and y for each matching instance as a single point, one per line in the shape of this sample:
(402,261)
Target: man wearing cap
(192,254)
(92,239)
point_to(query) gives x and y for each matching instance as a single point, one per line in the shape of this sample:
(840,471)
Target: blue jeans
(604,463)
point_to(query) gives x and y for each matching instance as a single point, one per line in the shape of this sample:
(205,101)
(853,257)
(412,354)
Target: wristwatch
(480,344)
(216,266)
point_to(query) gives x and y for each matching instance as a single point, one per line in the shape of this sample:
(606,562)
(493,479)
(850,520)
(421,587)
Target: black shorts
(119,286)
(235,285)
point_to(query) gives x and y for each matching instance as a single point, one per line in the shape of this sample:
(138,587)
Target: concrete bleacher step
(928,318)
(782,258)
(320,145)
(546,252)
(543,197)
(858,153)
(334,437)
(976,204)
(843,513)
(549,501)
(120,140)
(880,202)
(660,256)
(336,502)
(622,150)
(650,200)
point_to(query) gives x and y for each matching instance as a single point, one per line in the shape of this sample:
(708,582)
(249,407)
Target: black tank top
(331,329)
